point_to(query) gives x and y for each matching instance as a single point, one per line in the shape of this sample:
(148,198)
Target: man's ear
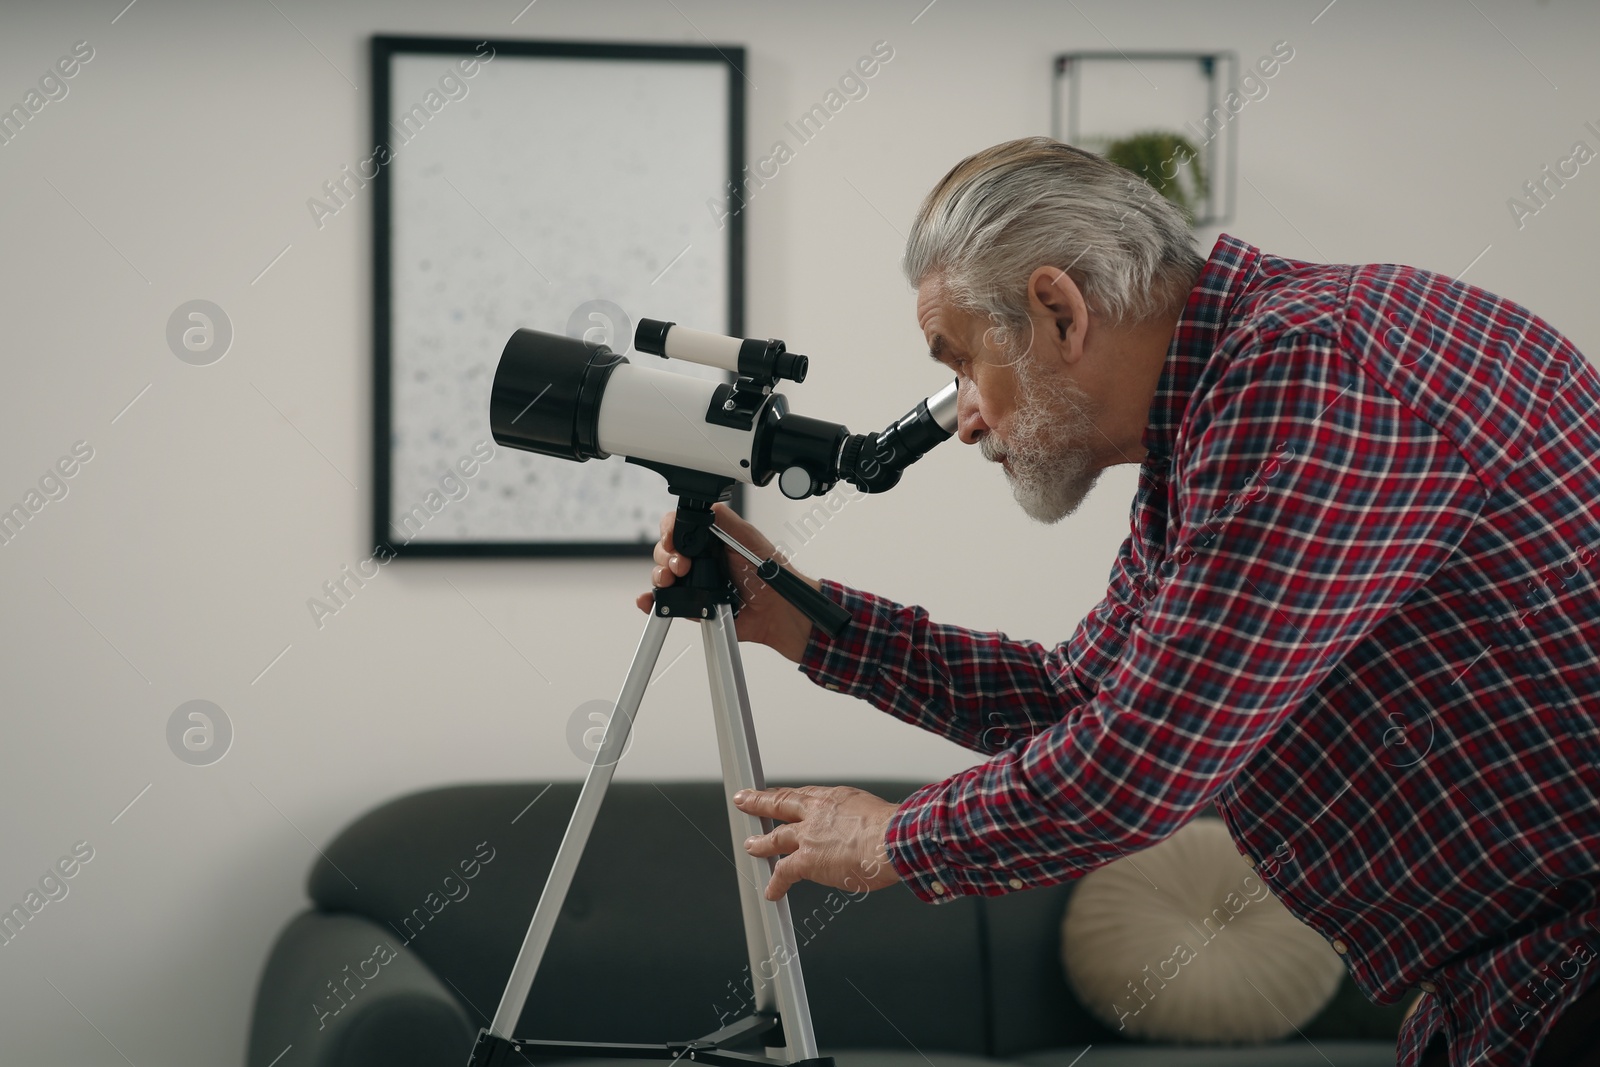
(1059,311)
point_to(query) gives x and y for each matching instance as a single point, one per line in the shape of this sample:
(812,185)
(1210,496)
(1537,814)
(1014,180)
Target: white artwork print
(551,182)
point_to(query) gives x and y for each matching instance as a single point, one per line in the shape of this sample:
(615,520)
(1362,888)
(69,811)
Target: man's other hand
(833,836)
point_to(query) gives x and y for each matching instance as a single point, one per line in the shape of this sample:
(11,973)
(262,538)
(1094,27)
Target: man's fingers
(785,873)
(780,842)
(665,555)
(784,803)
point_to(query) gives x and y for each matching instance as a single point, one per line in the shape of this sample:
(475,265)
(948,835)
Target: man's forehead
(938,322)
(950,330)
(941,336)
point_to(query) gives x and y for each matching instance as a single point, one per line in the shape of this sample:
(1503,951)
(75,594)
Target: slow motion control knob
(796,483)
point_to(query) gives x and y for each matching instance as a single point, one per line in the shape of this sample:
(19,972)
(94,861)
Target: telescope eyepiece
(874,463)
(791,365)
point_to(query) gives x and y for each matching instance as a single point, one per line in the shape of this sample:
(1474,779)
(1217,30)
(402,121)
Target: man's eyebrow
(936,349)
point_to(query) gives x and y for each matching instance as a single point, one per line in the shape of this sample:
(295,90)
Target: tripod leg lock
(493,1051)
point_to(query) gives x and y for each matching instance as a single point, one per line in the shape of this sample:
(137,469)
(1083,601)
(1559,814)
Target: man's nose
(970,426)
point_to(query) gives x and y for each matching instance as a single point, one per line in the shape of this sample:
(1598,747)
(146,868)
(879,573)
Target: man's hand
(765,616)
(833,836)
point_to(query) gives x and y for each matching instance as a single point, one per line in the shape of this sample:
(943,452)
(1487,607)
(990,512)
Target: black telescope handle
(813,604)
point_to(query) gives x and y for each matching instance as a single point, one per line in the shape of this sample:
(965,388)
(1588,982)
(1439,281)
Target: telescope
(578,400)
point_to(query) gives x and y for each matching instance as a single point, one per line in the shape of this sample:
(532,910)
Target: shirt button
(1340,947)
(1015,883)
(938,887)
(830,685)
(1250,861)
(1427,987)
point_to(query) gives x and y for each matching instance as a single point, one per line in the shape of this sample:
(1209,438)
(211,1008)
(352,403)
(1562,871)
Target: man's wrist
(793,648)
(848,663)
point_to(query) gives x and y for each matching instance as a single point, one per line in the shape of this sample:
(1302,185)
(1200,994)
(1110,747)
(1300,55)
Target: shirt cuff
(848,663)
(916,850)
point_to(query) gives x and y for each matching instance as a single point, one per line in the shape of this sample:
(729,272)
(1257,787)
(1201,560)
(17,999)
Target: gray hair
(1002,213)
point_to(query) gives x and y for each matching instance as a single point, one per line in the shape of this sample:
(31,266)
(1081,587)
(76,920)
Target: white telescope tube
(662,415)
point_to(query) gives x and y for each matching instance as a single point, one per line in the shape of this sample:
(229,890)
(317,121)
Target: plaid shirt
(1356,610)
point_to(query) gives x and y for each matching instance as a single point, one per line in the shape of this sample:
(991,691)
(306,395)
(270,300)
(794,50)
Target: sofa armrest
(342,990)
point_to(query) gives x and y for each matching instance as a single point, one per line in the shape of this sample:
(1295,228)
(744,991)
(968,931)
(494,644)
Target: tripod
(781,1016)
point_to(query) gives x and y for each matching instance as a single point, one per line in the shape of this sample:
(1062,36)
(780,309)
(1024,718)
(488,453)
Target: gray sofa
(418,909)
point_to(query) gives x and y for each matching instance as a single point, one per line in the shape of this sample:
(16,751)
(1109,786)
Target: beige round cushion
(1183,942)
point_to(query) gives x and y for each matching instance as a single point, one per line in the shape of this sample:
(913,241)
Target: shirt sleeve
(982,690)
(1310,503)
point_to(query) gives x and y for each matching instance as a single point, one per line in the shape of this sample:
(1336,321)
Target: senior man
(1356,609)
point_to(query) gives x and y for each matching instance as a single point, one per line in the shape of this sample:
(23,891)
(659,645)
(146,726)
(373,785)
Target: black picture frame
(384,47)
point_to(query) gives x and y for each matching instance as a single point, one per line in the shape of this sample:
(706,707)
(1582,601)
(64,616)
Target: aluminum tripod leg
(579,827)
(768,927)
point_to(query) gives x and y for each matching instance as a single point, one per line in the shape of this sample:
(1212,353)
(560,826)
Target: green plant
(1169,162)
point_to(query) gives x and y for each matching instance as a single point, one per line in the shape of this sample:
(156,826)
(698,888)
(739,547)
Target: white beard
(1047,460)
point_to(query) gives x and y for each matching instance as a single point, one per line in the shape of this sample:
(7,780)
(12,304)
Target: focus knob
(850,455)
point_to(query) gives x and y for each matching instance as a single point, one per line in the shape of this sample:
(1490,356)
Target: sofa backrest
(650,943)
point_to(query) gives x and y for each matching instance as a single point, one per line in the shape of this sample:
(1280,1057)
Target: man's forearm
(980,689)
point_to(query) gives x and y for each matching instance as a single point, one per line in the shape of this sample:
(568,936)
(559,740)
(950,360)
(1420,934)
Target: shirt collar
(1227,273)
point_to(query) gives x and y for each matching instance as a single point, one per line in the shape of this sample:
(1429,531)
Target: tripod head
(709,583)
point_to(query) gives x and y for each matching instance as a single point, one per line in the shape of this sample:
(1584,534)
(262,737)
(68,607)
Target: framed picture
(563,186)
(1169,117)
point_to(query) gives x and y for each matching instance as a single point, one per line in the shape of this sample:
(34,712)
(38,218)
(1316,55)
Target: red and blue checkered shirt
(1357,610)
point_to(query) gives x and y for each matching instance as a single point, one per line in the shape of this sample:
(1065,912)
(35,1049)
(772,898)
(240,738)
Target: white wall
(180,563)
